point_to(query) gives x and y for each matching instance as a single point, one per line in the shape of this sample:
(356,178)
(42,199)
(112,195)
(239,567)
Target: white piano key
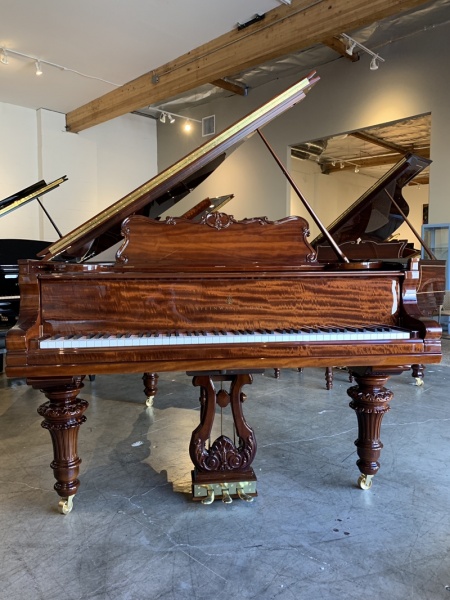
(155,339)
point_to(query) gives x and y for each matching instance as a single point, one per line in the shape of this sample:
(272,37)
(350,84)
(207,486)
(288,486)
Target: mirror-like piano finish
(214,279)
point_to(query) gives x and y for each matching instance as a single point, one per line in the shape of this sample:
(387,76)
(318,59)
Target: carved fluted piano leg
(63,415)
(150,386)
(223,469)
(370,401)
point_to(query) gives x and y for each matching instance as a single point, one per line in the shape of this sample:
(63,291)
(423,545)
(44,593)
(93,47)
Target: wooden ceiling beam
(241,90)
(340,47)
(284,30)
(373,139)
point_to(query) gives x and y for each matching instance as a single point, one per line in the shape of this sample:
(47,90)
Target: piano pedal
(242,495)
(208,492)
(210,496)
(226,498)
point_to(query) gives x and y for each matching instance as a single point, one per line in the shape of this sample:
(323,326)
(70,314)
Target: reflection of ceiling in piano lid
(370,151)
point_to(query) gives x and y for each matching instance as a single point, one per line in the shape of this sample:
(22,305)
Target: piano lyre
(219,299)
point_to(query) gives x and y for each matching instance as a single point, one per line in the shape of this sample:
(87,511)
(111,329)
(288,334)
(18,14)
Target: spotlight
(341,166)
(162,117)
(4,57)
(373,64)
(351,45)
(356,169)
(171,119)
(187,126)
(38,68)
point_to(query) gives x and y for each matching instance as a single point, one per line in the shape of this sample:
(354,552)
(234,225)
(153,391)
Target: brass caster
(209,495)
(149,401)
(226,498)
(365,481)
(242,495)
(65,505)
(419,381)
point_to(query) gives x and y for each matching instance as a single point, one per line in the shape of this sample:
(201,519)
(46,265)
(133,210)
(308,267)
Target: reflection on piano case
(220,299)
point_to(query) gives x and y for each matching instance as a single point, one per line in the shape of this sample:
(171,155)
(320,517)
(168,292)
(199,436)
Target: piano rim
(50,362)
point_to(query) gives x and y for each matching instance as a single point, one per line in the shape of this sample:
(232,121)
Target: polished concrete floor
(310,534)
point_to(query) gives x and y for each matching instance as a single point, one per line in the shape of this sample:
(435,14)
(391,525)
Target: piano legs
(370,401)
(150,386)
(63,415)
(418,372)
(222,470)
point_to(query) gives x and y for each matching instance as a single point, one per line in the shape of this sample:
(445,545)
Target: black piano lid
(24,196)
(103,230)
(373,216)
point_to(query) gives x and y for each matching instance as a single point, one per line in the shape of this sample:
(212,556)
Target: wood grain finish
(267,278)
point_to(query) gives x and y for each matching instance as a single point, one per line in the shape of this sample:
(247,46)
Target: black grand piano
(14,249)
(365,232)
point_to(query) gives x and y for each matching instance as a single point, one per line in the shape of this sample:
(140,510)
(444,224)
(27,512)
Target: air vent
(208,125)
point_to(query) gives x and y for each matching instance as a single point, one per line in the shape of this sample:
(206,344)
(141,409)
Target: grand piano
(220,299)
(14,249)
(367,231)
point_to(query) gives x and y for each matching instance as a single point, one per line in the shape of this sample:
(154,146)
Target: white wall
(102,165)
(413,80)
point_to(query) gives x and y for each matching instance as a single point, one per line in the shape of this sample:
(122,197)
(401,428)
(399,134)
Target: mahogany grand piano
(219,299)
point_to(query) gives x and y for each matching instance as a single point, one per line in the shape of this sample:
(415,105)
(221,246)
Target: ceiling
(91,49)
(103,44)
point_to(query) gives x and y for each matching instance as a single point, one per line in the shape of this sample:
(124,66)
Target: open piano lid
(373,216)
(103,231)
(27,194)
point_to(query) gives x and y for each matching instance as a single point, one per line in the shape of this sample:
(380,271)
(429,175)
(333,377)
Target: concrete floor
(311,534)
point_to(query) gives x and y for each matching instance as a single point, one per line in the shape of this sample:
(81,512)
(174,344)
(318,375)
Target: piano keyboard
(176,338)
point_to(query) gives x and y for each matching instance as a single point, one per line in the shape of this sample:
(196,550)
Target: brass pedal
(207,493)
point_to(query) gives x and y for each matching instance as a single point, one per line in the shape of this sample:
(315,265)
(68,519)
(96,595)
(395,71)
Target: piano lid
(374,217)
(18,199)
(103,230)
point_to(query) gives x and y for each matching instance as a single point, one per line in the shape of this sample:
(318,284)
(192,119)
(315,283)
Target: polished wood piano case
(220,299)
